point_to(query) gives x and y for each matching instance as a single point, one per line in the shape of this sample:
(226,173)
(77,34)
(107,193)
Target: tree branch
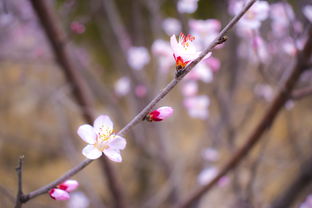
(42,11)
(263,125)
(19,172)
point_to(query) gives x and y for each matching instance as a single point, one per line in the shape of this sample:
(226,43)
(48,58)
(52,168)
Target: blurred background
(121,50)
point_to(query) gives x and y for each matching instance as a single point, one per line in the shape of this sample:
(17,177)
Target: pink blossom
(140,90)
(282,14)
(253,17)
(205,30)
(122,86)
(206,175)
(210,154)
(162,51)
(307,203)
(187,6)
(264,91)
(307,11)
(197,106)
(184,51)
(100,139)
(68,185)
(138,57)
(171,26)
(78,200)
(202,72)
(159,114)
(213,63)
(189,88)
(77,27)
(59,194)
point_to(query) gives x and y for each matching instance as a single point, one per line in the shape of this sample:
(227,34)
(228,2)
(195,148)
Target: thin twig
(262,126)
(19,172)
(140,115)
(301,93)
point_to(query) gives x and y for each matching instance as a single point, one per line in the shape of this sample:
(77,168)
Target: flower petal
(174,43)
(91,152)
(58,194)
(103,121)
(87,133)
(117,143)
(112,154)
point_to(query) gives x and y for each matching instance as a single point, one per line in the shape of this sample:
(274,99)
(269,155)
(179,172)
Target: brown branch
(19,172)
(45,13)
(263,125)
(57,39)
(301,93)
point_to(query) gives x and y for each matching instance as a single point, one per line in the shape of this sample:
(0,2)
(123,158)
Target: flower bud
(58,194)
(159,114)
(68,185)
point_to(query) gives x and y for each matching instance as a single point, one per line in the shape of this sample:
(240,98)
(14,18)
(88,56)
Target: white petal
(173,42)
(87,133)
(103,121)
(117,143)
(112,154)
(91,152)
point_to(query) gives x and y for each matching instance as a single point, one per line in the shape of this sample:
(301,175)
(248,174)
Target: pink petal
(102,121)
(173,42)
(91,152)
(58,194)
(87,133)
(113,155)
(165,112)
(69,185)
(117,143)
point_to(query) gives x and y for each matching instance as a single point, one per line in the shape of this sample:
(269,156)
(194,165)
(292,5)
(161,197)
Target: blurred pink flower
(213,63)
(59,194)
(189,88)
(282,14)
(78,200)
(122,86)
(77,27)
(187,6)
(307,11)
(253,17)
(100,139)
(210,154)
(138,57)
(205,30)
(264,91)
(140,90)
(171,26)
(159,114)
(307,203)
(202,72)
(197,106)
(162,51)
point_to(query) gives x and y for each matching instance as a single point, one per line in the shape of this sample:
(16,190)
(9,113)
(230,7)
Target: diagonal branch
(264,124)
(219,39)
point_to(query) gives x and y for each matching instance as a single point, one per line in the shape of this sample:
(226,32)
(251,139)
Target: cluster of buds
(159,114)
(61,192)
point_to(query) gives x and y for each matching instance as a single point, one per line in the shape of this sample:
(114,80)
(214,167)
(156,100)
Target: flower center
(185,40)
(102,137)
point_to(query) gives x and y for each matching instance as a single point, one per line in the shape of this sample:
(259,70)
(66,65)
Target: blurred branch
(51,29)
(19,172)
(302,180)
(263,125)
(301,93)
(57,40)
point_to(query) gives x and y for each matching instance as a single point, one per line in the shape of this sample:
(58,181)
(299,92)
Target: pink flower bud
(160,114)
(77,27)
(68,185)
(58,194)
